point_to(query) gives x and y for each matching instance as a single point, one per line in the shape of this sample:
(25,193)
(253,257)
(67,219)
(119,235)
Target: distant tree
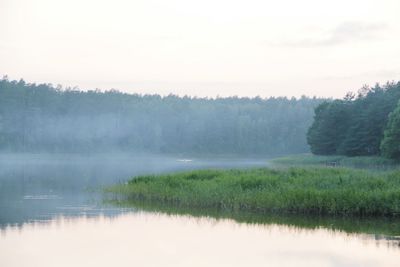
(46,118)
(390,145)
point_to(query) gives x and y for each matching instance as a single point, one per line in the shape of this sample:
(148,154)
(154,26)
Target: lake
(52,213)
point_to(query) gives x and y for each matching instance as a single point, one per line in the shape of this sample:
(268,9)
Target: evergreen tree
(353,126)
(44,118)
(329,128)
(390,145)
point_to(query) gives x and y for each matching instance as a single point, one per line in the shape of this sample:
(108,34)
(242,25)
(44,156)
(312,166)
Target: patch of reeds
(313,190)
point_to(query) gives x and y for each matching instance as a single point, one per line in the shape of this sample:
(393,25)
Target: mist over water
(65,146)
(36,187)
(95,93)
(42,118)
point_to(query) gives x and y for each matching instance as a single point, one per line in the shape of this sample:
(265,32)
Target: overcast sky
(203,48)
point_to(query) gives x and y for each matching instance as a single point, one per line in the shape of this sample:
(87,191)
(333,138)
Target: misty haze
(212,133)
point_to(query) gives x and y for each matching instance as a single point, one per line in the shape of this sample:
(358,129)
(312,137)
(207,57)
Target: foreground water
(51,214)
(147,239)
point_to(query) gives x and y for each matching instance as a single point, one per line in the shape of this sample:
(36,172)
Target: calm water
(51,214)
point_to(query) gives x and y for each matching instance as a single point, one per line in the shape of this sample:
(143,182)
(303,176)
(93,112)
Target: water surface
(52,214)
(149,239)
(36,187)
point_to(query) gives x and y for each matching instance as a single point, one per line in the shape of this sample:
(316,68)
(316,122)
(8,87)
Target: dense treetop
(44,118)
(355,125)
(390,145)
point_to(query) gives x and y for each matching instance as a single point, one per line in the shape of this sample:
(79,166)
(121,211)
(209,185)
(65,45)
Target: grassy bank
(322,191)
(371,162)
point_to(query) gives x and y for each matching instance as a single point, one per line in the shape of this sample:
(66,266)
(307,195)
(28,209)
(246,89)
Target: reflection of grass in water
(317,191)
(387,227)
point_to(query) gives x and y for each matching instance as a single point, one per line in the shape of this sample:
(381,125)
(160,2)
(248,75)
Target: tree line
(359,125)
(41,117)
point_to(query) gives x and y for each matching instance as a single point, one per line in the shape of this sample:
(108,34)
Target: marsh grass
(313,190)
(365,162)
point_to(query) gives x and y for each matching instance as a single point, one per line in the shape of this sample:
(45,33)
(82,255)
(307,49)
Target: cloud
(376,74)
(344,33)
(353,31)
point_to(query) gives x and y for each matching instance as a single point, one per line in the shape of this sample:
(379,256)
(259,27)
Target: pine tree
(329,128)
(390,146)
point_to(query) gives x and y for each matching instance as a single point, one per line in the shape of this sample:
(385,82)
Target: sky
(203,48)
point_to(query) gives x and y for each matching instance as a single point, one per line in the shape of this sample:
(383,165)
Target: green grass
(370,162)
(320,191)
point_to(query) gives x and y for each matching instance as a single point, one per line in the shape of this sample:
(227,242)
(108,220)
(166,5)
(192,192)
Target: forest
(365,124)
(45,118)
